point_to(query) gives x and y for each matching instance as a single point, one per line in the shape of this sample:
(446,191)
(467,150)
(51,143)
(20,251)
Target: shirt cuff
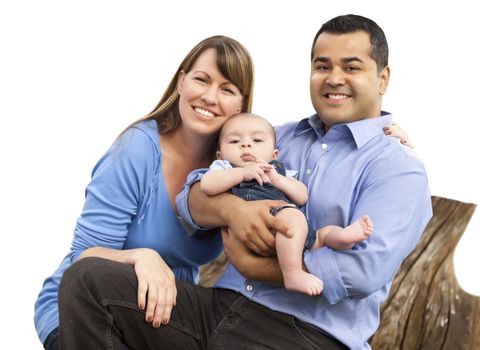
(321,262)
(181,200)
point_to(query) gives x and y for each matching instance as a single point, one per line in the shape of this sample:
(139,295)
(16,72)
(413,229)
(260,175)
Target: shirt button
(309,171)
(324,146)
(249,287)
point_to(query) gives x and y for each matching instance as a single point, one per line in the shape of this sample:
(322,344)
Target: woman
(129,212)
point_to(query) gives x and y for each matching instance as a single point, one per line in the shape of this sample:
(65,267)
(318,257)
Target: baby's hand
(256,171)
(272,174)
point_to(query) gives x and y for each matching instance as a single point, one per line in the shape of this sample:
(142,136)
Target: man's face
(345,85)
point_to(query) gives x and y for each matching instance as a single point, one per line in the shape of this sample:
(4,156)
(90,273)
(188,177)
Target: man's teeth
(204,112)
(337,97)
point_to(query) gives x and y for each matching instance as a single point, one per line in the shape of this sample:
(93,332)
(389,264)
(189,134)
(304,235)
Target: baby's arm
(219,181)
(294,189)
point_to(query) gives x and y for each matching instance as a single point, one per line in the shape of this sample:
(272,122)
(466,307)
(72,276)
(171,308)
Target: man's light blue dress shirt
(352,170)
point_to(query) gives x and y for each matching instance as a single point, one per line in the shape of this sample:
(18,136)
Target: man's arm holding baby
(250,221)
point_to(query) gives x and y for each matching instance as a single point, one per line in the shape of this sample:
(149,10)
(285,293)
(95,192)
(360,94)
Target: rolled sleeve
(322,263)
(181,200)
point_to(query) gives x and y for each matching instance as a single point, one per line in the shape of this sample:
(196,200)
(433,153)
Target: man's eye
(351,69)
(322,68)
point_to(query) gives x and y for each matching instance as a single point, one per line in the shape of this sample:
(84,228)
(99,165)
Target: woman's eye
(201,79)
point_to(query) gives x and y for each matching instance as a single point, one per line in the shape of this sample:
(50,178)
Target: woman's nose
(210,95)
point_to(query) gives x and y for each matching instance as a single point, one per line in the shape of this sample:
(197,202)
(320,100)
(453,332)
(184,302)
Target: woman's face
(207,98)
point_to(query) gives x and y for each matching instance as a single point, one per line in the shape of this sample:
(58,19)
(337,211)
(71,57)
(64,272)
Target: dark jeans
(98,310)
(51,343)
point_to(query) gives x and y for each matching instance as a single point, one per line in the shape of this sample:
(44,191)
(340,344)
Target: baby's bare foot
(303,282)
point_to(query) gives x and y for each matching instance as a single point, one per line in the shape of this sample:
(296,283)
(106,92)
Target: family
(315,216)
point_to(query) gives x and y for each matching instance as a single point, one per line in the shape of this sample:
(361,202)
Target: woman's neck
(190,147)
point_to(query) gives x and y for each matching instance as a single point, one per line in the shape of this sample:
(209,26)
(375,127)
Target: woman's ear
(180,81)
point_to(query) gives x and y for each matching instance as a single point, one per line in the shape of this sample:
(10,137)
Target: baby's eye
(258,140)
(234,141)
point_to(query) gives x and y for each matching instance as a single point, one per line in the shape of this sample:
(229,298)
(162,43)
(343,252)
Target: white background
(73,74)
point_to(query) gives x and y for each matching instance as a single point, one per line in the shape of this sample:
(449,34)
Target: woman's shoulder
(139,139)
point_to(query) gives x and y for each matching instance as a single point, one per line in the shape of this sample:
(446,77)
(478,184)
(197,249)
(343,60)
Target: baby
(247,165)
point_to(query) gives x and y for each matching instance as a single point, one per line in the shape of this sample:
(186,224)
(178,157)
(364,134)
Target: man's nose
(336,77)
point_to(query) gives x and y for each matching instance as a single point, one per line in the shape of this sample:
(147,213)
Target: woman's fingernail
(165,321)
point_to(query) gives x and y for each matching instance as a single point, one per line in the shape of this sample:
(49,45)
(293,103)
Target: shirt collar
(312,122)
(362,130)
(365,130)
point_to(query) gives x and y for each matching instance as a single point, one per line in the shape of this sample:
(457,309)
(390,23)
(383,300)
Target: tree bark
(426,308)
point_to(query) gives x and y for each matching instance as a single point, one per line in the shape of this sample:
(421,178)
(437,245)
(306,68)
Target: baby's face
(245,140)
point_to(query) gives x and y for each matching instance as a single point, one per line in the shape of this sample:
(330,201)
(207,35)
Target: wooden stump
(426,308)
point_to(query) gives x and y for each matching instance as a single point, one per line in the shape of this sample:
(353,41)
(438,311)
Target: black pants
(98,310)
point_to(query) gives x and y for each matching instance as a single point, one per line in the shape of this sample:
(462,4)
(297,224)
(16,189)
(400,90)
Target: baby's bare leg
(337,237)
(290,254)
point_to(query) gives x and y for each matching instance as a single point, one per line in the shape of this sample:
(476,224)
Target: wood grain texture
(426,308)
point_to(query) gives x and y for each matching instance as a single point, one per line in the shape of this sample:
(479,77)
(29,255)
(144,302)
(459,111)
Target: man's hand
(254,225)
(250,265)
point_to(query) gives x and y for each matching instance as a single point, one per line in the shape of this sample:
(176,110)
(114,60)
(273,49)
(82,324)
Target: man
(351,168)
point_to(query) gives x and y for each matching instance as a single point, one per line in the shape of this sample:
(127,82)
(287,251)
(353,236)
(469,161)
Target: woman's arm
(155,280)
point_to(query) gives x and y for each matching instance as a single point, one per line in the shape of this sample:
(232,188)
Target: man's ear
(180,81)
(384,79)
(275,154)
(219,155)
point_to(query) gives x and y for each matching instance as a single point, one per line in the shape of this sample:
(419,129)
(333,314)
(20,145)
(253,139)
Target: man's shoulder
(390,157)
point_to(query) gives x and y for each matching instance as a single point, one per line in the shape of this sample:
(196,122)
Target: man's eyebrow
(321,59)
(324,59)
(352,59)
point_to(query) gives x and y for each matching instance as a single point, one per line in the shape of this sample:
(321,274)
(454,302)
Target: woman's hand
(396,131)
(157,292)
